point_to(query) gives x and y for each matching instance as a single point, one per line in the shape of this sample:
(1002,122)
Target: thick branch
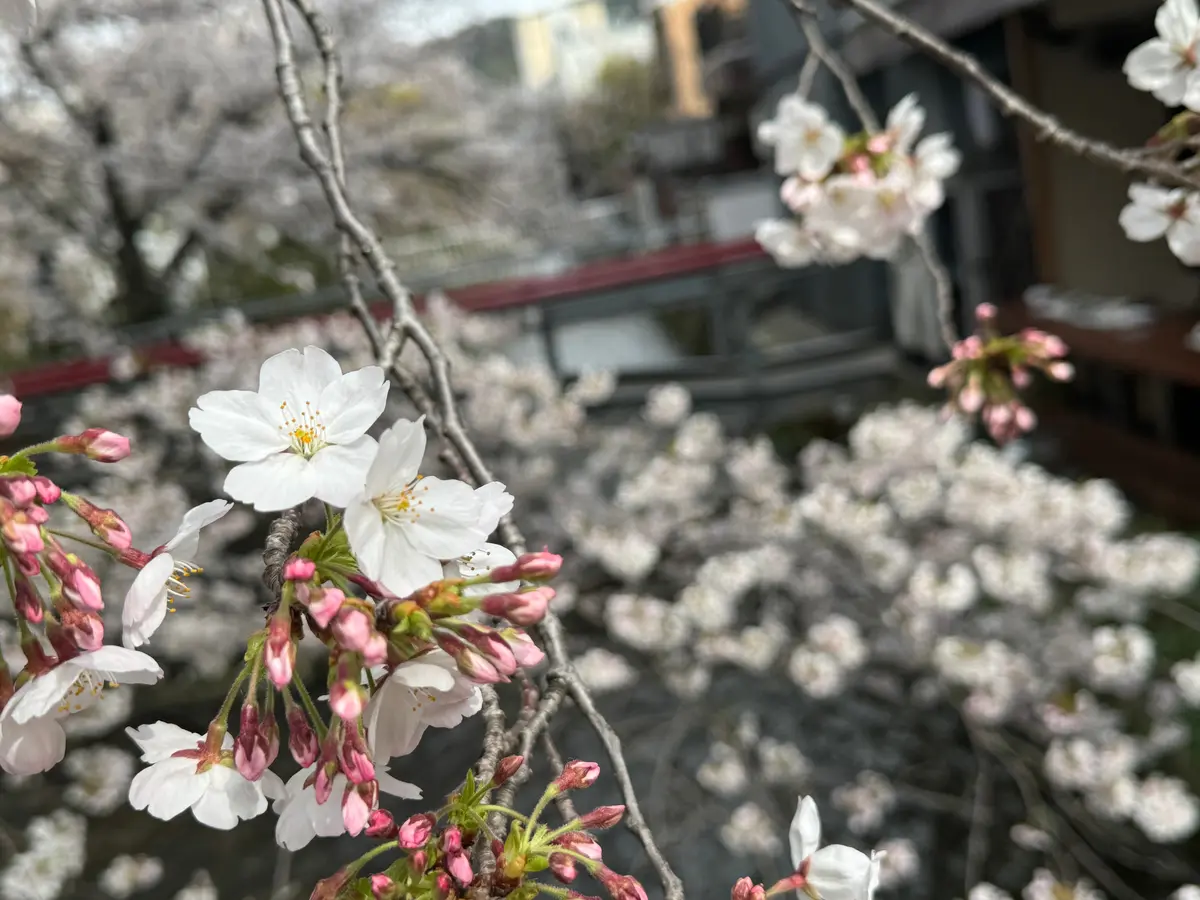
(1046,126)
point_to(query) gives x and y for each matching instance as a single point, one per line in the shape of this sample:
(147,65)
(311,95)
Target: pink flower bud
(28,603)
(563,867)
(105,523)
(581,843)
(382,886)
(456,861)
(620,887)
(355,759)
(357,803)
(1021,378)
(418,861)
(19,489)
(576,775)
(47,490)
(1025,419)
(279,652)
(443,886)
(302,740)
(415,831)
(20,535)
(452,840)
(524,608)
(506,769)
(602,817)
(10,414)
(347,699)
(985,312)
(28,565)
(381,825)
(352,628)
(879,143)
(323,604)
(1054,346)
(469,661)
(539,566)
(99,444)
(526,652)
(298,568)
(82,588)
(84,629)
(937,377)
(376,651)
(250,748)
(970,398)
(323,782)
(745,889)
(1061,371)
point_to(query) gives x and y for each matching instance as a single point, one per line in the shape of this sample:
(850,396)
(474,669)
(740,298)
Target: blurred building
(564,50)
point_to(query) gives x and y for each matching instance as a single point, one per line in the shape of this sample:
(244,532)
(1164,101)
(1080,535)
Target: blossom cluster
(401,589)
(987,369)
(854,195)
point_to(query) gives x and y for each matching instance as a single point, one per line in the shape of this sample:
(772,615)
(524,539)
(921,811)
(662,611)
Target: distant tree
(144,160)
(596,131)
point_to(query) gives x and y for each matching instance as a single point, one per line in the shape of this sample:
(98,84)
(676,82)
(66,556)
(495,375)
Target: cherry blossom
(75,684)
(161,579)
(403,524)
(27,748)
(184,774)
(481,562)
(806,142)
(302,434)
(834,872)
(1155,212)
(1166,65)
(423,692)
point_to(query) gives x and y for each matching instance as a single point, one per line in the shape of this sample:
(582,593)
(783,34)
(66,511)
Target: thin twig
(978,838)
(819,47)
(1045,126)
(808,75)
(442,401)
(942,285)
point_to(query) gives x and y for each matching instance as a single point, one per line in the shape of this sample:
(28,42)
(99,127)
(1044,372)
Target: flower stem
(96,545)
(511,813)
(352,869)
(222,716)
(541,806)
(309,707)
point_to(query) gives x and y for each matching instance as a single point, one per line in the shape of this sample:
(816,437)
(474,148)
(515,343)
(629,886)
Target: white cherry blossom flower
(806,142)
(217,794)
(302,818)
(1166,65)
(402,524)
(75,684)
(417,694)
(835,872)
(904,123)
(1154,212)
(161,580)
(787,243)
(302,434)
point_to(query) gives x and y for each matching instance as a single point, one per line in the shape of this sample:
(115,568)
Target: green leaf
(18,465)
(537,864)
(470,789)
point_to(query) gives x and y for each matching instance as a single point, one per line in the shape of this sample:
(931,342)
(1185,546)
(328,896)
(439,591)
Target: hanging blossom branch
(440,408)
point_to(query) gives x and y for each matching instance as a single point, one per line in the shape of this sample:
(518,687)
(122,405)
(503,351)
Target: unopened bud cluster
(436,850)
(56,596)
(988,369)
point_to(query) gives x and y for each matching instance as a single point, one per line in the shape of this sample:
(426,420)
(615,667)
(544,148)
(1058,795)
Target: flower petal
(367,532)
(397,788)
(804,836)
(280,481)
(495,502)
(341,470)
(421,674)
(120,664)
(352,404)
(239,425)
(40,695)
(1177,22)
(167,788)
(839,872)
(294,375)
(448,525)
(35,746)
(145,604)
(1143,223)
(401,449)
(405,569)
(159,740)
(394,728)
(187,538)
(213,808)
